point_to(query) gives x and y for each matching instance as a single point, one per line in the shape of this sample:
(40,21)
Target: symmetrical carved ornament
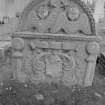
(56,42)
(54,16)
(53,64)
(65,62)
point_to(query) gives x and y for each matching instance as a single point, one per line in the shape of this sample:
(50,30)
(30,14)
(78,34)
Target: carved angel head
(73,13)
(42,11)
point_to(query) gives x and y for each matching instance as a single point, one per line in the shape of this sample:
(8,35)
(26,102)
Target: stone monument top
(57,16)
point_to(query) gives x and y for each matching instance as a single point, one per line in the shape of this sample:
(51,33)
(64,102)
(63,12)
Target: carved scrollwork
(39,62)
(68,62)
(53,64)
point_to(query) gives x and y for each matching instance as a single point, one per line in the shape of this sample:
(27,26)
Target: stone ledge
(57,37)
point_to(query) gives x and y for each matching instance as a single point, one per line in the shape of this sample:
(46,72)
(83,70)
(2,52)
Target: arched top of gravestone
(57,16)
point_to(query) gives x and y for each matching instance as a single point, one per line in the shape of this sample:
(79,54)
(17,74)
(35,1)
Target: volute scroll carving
(68,61)
(43,57)
(51,64)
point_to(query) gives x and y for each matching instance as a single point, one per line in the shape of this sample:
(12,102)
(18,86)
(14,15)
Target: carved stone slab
(56,42)
(67,61)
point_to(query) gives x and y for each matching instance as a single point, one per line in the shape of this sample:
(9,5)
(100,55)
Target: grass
(14,93)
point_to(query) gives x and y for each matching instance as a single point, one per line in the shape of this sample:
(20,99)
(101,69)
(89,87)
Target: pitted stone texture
(18,44)
(93,48)
(64,61)
(39,44)
(53,66)
(55,46)
(69,45)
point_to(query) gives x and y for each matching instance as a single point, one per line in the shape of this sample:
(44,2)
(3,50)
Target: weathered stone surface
(65,15)
(1,53)
(55,45)
(6,70)
(40,44)
(69,45)
(59,48)
(18,44)
(69,78)
(10,27)
(39,97)
(53,66)
(80,57)
(93,50)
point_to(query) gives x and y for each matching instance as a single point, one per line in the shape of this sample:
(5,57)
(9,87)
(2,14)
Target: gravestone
(55,42)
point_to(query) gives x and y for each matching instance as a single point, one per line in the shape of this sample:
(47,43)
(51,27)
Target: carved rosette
(18,44)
